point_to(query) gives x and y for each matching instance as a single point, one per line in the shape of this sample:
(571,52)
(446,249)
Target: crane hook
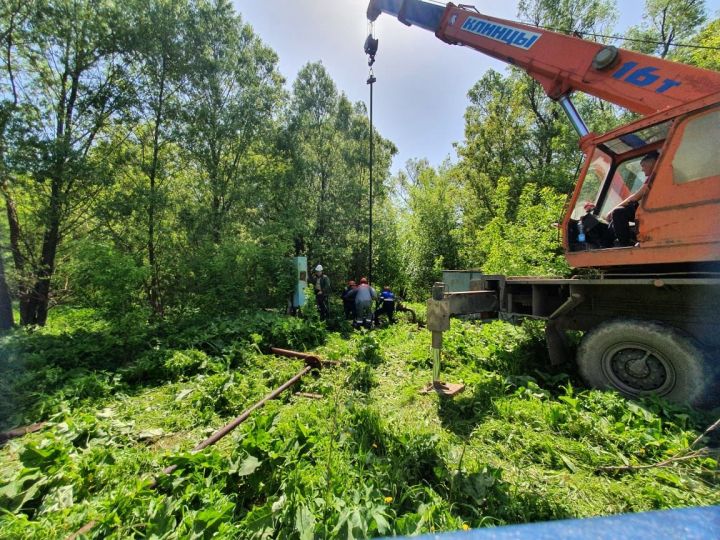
(371,47)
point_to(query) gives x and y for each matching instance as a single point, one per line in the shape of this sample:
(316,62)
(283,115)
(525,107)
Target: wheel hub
(637,369)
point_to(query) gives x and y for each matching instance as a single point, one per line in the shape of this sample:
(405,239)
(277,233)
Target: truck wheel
(640,358)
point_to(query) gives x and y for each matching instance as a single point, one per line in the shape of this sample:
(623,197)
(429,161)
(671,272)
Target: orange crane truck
(649,309)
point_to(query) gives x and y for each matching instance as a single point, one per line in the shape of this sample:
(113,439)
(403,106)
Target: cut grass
(373,457)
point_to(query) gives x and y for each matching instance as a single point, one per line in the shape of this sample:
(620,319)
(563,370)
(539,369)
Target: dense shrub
(236,275)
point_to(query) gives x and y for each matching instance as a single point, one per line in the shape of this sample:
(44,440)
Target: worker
(364,295)
(348,299)
(621,216)
(387,305)
(322,292)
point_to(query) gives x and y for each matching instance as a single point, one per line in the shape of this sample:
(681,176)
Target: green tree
(430,242)
(665,24)
(160,66)
(707,55)
(233,94)
(328,139)
(569,16)
(496,124)
(527,245)
(69,57)
(13,16)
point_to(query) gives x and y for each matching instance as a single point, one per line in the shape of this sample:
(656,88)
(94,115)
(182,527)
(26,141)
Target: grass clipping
(372,457)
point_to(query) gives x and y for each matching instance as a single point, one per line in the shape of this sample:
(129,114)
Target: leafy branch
(686,455)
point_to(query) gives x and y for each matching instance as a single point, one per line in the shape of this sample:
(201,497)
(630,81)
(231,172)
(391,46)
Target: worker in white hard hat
(322,292)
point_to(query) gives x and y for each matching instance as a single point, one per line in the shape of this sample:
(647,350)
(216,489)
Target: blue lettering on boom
(523,39)
(644,76)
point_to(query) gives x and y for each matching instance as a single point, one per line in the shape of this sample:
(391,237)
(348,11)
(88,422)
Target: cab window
(628,179)
(698,156)
(593,181)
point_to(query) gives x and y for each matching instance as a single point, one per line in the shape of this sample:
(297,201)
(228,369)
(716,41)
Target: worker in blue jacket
(387,305)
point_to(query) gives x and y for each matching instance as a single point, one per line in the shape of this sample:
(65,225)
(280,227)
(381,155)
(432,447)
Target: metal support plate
(443,389)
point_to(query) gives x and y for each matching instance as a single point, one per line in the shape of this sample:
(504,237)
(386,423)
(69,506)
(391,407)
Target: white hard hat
(319,268)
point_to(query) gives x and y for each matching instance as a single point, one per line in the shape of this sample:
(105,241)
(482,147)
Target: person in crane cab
(621,216)
(387,305)
(597,233)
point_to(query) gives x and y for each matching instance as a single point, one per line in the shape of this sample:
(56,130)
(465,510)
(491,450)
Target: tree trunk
(154,289)
(216,220)
(24,294)
(39,300)
(7,321)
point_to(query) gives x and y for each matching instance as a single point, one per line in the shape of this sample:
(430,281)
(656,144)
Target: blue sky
(421,91)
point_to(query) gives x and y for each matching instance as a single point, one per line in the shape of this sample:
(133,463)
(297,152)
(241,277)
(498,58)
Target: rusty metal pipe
(220,433)
(21,431)
(223,431)
(309,358)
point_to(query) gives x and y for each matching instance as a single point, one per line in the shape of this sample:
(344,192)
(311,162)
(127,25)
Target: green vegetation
(157,173)
(372,457)
(163,164)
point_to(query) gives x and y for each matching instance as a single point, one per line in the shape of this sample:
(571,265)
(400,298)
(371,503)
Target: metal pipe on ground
(310,359)
(225,430)
(19,432)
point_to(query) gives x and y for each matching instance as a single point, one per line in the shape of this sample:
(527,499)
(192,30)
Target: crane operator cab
(649,193)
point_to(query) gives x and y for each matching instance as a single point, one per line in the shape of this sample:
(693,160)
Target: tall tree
(160,49)
(71,70)
(430,237)
(707,54)
(329,140)
(13,16)
(665,24)
(234,91)
(314,108)
(569,16)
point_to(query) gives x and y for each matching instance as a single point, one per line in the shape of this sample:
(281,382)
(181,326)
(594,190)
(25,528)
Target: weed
(368,350)
(373,458)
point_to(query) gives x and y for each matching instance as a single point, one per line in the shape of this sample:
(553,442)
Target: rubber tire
(691,380)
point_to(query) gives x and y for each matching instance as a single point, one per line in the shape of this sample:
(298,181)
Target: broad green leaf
(248,466)
(305,523)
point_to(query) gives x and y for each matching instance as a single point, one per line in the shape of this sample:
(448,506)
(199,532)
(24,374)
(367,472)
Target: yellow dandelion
(466,527)
(388,500)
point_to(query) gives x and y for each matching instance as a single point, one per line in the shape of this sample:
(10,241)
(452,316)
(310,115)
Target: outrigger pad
(443,389)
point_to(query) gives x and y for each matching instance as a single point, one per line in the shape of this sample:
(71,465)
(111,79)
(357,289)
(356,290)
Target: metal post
(371,80)
(438,293)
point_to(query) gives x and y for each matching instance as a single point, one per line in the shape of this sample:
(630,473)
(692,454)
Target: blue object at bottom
(699,523)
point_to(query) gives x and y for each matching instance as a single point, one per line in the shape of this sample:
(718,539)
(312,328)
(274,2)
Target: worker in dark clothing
(322,292)
(387,305)
(621,216)
(363,296)
(349,300)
